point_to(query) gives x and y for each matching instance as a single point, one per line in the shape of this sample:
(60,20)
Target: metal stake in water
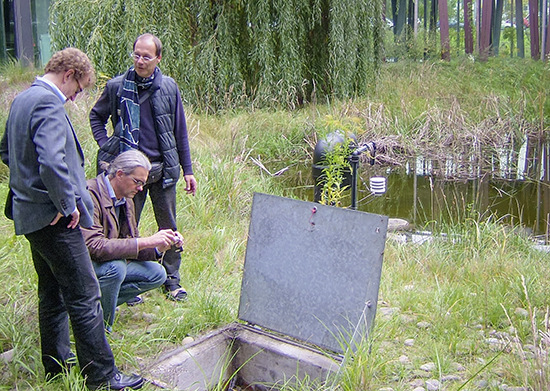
(354,160)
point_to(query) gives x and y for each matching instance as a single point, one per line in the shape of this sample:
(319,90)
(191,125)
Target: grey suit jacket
(45,160)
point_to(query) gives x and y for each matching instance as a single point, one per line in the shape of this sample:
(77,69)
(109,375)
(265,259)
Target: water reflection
(439,200)
(427,199)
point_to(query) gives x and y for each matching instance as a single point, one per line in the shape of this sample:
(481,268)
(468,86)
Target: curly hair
(71,58)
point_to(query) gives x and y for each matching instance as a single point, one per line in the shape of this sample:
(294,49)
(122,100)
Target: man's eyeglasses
(138,182)
(79,90)
(136,57)
(79,87)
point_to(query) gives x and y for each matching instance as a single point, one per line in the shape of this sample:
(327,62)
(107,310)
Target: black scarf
(130,111)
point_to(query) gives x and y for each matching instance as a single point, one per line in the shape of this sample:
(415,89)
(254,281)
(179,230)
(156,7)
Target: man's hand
(162,240)
(75,218)
(190,184)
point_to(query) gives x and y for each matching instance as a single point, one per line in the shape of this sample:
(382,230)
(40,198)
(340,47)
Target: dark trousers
(67,285)
(164,207)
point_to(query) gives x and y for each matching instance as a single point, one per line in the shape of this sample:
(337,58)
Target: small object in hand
(177,249)
(178,246)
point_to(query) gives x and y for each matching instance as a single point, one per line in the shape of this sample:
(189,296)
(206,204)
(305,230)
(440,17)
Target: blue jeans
(164,207)
(121,281)
(67,285)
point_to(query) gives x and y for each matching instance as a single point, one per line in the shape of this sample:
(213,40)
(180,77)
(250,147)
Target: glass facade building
(24,31)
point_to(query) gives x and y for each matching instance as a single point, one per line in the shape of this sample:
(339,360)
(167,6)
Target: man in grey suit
(49,201)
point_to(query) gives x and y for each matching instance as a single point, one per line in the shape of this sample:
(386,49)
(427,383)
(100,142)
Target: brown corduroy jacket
(108,238)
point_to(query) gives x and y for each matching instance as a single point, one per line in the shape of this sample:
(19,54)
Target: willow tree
(235,52)
(354,45)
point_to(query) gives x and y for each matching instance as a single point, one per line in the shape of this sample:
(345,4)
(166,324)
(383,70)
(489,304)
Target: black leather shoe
(120,381)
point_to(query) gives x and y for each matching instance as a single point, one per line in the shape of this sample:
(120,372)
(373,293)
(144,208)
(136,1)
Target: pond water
(427,200)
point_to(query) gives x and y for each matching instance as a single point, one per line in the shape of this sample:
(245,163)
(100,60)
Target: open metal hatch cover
(312,272)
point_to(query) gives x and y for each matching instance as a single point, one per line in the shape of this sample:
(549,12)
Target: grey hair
(127,162)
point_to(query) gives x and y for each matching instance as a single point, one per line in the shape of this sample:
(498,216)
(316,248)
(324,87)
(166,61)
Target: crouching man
(126,265)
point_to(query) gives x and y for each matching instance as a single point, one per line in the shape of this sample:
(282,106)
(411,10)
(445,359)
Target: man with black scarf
(147,114)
